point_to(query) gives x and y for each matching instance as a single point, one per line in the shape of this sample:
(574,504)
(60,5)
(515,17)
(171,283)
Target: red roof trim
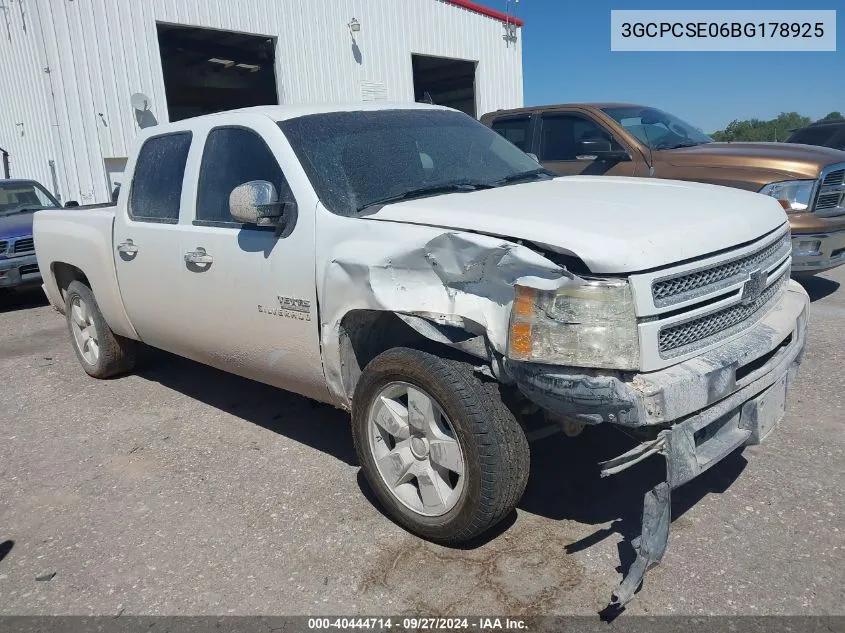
(491,13)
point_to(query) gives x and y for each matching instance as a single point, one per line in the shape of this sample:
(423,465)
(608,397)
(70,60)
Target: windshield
(355,160)
(18,196)
(657,129)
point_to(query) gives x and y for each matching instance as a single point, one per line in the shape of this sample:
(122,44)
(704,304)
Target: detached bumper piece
(650,545)
(690,448)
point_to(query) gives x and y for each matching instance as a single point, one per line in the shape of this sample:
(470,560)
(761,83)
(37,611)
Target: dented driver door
(249,294)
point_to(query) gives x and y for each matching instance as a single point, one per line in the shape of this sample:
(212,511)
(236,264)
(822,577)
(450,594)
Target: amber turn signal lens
(523,303)
(520,343)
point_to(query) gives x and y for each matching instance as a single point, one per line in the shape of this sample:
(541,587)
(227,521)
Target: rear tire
(101,352)
(492,452)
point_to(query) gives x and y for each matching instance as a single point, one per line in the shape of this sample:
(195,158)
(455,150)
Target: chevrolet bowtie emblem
(754,287)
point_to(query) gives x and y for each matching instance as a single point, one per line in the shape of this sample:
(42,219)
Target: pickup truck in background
(623,139)
(407,264)
(829,133)
(19,200)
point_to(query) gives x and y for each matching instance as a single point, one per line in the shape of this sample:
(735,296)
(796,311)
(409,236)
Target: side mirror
(70,204)
(257,202)
(600,149)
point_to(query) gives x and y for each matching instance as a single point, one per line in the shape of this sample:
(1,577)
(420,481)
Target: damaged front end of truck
(577,347)
(691,443)
(694,412)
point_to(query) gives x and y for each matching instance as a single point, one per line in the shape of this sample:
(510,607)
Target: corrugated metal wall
(100,52)
(27,123)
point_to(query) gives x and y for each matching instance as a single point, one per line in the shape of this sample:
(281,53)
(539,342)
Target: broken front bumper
(699,411)
(690,448)
(706,387)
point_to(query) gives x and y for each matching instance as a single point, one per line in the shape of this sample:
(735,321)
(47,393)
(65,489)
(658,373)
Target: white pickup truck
(408,264)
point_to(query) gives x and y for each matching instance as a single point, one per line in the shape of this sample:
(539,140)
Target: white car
(408,264)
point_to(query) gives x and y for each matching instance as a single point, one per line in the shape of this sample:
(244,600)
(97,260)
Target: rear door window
(157,182)
(515,129)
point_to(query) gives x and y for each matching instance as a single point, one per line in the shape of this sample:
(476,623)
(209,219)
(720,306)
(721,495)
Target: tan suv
(621,139)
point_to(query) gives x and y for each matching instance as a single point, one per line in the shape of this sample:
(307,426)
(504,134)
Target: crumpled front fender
(452,279)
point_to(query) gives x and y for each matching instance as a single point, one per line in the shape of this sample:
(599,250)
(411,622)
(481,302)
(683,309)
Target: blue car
(19,200)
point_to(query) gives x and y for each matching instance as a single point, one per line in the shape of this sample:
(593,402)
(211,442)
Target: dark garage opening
(206,70)
(444,81)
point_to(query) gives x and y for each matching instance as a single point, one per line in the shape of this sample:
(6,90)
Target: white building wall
(27,123)
(100,52)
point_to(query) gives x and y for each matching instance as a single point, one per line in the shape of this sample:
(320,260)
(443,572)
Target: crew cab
(624,139)
(19,200)
(407,264)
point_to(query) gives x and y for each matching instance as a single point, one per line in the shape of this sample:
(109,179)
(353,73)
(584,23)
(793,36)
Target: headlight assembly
(793,195)
(592,324)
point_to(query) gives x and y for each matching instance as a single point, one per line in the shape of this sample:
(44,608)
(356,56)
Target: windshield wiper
(422,192)
(526,175)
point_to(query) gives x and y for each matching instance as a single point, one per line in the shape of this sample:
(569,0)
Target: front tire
(443,454)
(101,352)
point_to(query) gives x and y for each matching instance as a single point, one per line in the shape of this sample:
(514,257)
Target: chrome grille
(690,285)
(25,245)
(828,201)
(3,246)
(834,178)
(830,195)
(678,339)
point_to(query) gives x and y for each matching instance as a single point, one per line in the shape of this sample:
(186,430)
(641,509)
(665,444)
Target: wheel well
(364,334)
(65,273)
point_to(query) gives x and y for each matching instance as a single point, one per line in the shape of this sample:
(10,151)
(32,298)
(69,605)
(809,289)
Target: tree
(777,129)
(832,116)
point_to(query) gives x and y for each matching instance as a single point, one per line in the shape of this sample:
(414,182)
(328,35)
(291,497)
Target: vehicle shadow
(11,300)
(565,484)
(564,481)
(308,422)
(818,287)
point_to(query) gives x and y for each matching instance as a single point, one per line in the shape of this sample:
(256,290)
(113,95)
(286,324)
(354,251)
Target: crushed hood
(786,160)
(615,225)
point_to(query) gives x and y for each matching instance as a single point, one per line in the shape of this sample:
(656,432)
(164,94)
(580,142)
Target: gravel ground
(183,490)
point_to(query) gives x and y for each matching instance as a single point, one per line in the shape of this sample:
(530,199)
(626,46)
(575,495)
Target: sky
(567,57)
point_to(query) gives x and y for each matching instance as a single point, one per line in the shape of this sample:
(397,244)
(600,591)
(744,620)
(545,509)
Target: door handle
(128,247)
(198,256)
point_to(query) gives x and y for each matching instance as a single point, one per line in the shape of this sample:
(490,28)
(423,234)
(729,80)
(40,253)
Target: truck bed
(81,238)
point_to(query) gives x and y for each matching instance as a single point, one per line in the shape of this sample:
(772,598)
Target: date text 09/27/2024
(417,624)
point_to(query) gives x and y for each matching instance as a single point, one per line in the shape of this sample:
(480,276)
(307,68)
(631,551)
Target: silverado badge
(289,308)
